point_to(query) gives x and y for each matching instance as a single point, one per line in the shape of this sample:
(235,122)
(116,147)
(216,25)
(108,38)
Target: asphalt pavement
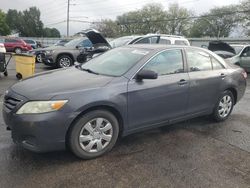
(194,153)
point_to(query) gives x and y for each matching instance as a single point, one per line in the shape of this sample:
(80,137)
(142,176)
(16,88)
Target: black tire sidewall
(216,115)
(73,139)
(63,56)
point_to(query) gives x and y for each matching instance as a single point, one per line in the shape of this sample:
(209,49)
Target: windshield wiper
(90,71)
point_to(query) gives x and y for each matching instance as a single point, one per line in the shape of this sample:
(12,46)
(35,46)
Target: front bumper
(48,60)
(38,132)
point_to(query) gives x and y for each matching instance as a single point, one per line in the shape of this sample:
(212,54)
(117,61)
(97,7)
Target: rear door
(245,59)
(205,83)
(165,98)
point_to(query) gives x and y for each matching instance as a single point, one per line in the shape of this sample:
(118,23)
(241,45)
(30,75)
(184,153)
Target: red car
(16,45)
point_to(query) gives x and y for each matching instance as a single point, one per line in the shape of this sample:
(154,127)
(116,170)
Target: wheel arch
(65,53)
(108,108)
(234,92)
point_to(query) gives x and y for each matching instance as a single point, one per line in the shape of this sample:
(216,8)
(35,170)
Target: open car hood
(95,37)
(221,46)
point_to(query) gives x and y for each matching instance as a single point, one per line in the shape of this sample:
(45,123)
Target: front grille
(10,102)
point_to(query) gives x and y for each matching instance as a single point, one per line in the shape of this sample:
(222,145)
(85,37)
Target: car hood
(220,46)
(46,85)
(95,37)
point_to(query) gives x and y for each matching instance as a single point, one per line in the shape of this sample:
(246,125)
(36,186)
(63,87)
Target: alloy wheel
(95,135)
(225,106)
(39,58)
(64,62)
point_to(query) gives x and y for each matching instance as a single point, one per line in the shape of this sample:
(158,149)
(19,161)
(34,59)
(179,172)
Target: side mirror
(244,55)
(146,74)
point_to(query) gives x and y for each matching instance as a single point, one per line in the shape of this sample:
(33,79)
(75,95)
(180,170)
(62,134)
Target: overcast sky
(53,12)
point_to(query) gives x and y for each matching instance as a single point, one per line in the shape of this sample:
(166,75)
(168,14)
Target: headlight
(35,107)
(48,52)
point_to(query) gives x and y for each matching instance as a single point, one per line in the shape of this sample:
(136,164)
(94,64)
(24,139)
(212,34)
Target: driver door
(151,102)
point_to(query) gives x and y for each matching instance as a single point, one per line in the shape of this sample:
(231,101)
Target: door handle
(182,82)
(222,75)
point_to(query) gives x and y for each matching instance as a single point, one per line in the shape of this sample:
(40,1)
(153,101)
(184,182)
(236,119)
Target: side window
(11,40)
(164,41)
(198,60)
(7,40)
(143,41)
(216,64)
(180,42)
(246,51)
(167,62)
(153,40)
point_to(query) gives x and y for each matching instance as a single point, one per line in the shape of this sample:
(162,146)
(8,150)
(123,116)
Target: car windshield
(120,41)
(74,42)
(30,41)
(238,49)
(115,62)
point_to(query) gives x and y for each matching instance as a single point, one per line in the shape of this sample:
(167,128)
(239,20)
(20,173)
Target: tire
(5,73)
(19,76)
(39,58)
(86,129)
(18,50)
(64,61)
(224,106)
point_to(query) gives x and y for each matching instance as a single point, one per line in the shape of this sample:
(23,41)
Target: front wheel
(224,106)
(94,134)
(64,61)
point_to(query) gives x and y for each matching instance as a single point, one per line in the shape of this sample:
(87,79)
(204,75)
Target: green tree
(218,22)
(245,22)
(108,28)
(4,28)
(28,23)
(51,32)
(146,20)
(179,22)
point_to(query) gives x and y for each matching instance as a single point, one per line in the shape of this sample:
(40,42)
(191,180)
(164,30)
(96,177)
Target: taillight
(244,74)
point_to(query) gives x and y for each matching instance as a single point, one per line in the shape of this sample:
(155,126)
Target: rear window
(164,41)
(181,42)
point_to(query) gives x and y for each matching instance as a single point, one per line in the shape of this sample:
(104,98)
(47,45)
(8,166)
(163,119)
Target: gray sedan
(122,91)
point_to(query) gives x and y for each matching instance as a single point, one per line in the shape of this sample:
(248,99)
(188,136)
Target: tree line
(27,23)
(177,20)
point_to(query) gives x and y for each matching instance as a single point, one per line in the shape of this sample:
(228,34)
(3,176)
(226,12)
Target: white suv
(162,39)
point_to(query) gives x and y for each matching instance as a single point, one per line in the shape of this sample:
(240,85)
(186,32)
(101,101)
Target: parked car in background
(62,42)
(2,48)
(238,54)
(121,41)
(16,45)
(31,42)
(123,91)
(150,39)
(65,56)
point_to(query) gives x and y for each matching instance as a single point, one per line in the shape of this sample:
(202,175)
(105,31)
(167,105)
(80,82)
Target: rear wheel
(94,134)
(39,58)
(64,61)
(224,106)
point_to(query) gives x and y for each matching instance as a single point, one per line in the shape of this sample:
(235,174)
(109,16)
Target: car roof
(158,47)
(243,45)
